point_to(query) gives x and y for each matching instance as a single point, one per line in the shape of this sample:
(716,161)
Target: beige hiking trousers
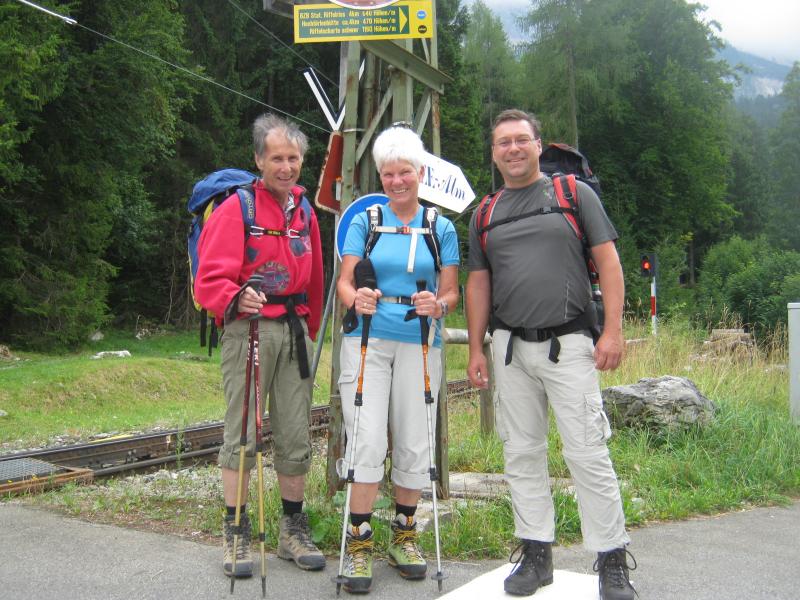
(523,391)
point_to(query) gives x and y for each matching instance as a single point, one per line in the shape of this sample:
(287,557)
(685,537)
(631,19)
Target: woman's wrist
(443,308)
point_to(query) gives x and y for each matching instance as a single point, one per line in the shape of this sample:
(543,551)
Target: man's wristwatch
(445,308)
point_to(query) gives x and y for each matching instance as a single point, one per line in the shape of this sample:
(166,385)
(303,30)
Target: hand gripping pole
(364,277)
(252,359)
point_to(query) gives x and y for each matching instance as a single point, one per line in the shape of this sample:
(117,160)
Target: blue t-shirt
(390,259)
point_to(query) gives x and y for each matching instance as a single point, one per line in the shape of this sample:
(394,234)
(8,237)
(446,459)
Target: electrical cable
(282,43)
(71,21)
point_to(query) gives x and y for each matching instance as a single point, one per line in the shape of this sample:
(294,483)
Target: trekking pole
(254,282)
(424,331)
(259,451)
(364,277)
(242,446)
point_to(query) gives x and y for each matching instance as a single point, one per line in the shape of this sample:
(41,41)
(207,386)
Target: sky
(768,28)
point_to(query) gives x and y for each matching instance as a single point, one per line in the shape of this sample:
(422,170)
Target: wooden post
(487,395)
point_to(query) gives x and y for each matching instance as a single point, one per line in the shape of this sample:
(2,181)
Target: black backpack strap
(544,210)
(430,216)
(374,220)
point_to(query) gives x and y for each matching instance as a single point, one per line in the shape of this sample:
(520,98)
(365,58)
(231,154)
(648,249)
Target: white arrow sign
(444,184)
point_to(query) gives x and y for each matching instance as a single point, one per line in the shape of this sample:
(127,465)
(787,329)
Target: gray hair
(398,143)
(267,123)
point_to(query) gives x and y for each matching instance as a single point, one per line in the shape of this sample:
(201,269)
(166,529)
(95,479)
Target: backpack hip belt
(587,321)
(291,302)
(296,327)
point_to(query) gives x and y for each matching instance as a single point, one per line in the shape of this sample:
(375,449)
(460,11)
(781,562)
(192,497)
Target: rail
(136,452)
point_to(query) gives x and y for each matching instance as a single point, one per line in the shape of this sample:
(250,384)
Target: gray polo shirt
(538,271)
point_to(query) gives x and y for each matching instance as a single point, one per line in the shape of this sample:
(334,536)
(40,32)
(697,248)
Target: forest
(106,123)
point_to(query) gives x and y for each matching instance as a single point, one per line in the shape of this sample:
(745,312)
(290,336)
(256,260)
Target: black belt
(296,326)
(585,322)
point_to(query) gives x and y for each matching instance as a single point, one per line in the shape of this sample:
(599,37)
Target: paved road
(748,555)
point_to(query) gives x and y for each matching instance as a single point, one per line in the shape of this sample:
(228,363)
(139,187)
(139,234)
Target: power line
(71,21)
(281,42)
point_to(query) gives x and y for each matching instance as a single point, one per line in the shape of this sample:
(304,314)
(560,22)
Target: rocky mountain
(760,77)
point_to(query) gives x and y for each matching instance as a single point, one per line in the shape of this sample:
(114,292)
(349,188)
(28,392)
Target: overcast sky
(768,28)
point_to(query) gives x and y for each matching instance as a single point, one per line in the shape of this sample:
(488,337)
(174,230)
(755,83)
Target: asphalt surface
(752,554)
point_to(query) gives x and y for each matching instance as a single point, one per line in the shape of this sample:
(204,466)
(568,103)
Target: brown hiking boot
(294,543)
(244,563)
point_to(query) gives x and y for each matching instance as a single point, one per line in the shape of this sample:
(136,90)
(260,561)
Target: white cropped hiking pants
(571,387)
(393,396)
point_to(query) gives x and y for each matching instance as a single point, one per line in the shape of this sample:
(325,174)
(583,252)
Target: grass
(169,381)
(747,456)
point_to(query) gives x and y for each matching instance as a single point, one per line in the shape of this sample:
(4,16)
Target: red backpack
(566,190)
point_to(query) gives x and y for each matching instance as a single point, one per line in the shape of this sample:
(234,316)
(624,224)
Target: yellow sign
(332,23)
(364,4)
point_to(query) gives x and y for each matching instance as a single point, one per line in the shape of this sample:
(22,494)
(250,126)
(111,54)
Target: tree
(462,136)
(113,112)
(489,55)
(785,210)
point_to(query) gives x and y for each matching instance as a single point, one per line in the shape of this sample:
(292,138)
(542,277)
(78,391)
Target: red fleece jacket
(289,265)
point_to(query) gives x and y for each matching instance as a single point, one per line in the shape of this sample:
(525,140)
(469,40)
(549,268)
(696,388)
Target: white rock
(112,353)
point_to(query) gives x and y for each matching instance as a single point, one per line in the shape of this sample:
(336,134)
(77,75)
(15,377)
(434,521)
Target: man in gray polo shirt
(528,283)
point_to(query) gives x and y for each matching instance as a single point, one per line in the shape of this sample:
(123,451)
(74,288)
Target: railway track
(39,469)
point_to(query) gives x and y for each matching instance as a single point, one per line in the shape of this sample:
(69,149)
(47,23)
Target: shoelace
(615,566)
(244,539)
(358,552)
(298,527)
(408,540)
(528,555)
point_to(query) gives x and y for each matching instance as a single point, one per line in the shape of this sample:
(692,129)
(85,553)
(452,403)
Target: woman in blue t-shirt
(393,384)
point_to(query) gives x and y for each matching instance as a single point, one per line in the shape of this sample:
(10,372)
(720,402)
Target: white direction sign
(444,184)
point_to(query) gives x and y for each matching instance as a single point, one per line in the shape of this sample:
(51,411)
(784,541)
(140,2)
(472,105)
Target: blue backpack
(207,195)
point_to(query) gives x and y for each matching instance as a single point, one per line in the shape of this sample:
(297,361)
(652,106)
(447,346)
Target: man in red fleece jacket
(284,256)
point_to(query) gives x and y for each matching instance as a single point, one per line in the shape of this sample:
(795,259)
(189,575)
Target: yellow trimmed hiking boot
(357,568)
(404,552)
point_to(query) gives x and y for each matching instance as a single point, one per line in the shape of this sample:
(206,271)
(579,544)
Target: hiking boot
(244,563)
(357,568)
(612,569)
(404,552)
(534,568)
(294,543)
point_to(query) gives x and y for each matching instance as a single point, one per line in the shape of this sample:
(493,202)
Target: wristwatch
(445,308)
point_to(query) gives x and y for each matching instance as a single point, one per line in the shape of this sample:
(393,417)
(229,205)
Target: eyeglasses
(521,142)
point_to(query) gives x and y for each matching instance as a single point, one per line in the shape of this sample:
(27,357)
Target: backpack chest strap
(257,231)
(402,229)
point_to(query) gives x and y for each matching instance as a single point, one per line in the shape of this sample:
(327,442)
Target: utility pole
(385,94)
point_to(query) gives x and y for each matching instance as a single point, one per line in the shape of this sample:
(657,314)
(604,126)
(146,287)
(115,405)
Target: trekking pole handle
(423,321)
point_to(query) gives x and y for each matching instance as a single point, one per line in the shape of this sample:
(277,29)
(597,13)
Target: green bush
(751,280)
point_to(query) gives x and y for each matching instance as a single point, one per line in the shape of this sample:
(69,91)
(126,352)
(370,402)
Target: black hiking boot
(534,568)
(612,569)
